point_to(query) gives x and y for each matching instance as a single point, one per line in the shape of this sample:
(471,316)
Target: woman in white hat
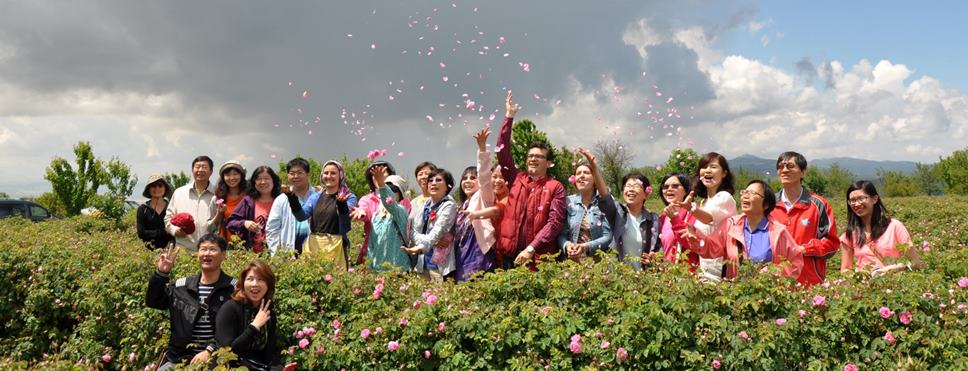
(151,215)
(389,230)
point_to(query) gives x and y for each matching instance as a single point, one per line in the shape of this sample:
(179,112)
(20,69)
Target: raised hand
(380,174)
(358,213)
(588,155)
(686,203)
(168,257)
(511,107)
(264,314)
(481,137)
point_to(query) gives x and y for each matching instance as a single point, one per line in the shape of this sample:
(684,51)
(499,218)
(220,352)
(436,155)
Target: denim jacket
(601,231)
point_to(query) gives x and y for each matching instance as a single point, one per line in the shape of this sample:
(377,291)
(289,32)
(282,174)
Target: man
(192,302)
(807,216)
(198,200)
(283,231)
(535,210)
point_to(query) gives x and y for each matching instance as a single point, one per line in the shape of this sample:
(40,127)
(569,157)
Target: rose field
(72,296)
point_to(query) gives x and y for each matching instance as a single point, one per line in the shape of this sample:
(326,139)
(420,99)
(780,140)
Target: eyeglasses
(787,165)
(537,156)
(209,251)
(671,186)
(749,192)
(435,180)
(858,200)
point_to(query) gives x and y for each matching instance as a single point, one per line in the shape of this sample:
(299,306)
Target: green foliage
(75,187)
(50,201)
(681,160)
(953,170)
(4,195)
(315,168)
(118,178)
(614,159)
(926,175)
(898,184)
(177,180)
(356,174)
(830,182)
(523,133)
(73,291)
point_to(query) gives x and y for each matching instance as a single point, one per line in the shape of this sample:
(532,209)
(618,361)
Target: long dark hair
(879,215)
(726,185)
(468,170)
(369,177)
(276,183)
(222,189)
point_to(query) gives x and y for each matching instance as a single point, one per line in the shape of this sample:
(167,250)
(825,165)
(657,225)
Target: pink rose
(571,179)
(393,345)
(320,350)
(357,291)
(545,310)
(365,333)
(432,299)
(441,326)
(744,335)
(131,357)
(303,343)
(309,331)
(379,330)
(337,324)
(780,321)
(819,301)
(426,354)
(299,334)
(889,338)
(575,338)
(404,322)
(963,282)
(716,364)
(622,354)
(605,344)
(648,191)
(328,278)
(885,312)
(106,358)
(906,317)
(219,202)
(350,269)
(802,313)
(575,347)
(850,367)
(925,246)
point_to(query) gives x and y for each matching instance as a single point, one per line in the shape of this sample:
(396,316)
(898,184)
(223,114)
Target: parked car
(26,209)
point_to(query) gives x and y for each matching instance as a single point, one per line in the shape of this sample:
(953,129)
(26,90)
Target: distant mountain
(863,169)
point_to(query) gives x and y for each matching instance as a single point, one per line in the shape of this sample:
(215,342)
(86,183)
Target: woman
(674,218)
(420,173)
(151,215)
(586,230)
(753,237)
(474,233)
(330,211)
(229,191)
(430,229)
(714,184)
(246,323)
(389,231)
(370,204)
(872,236)
(249,218)
(635,229)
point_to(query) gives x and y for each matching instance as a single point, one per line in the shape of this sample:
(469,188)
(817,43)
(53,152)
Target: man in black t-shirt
(192,301)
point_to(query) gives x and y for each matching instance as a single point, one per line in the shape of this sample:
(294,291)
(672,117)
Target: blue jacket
(601,231)
(650,228)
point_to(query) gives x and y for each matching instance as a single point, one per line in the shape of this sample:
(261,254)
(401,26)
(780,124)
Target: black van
(25,209)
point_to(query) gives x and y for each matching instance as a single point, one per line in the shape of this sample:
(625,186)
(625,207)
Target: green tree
(176,180)
(118,178)
(315,168)
(953,170)
(50,201)
(838,179)
(815,182)
(926,175)
(898,184)
(523,133)
(615,160)
(681,160)
(742,177)
(356,174)
(76,187)
(4,195)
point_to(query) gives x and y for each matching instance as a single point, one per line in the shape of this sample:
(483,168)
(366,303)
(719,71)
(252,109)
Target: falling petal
(305,94)
(372,46)
(400,154)
(446,78)
(442,65)
(500,40)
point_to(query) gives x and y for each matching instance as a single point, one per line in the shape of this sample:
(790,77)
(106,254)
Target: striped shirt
(204,331)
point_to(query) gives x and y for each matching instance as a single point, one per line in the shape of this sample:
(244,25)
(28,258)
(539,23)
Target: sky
(157,84)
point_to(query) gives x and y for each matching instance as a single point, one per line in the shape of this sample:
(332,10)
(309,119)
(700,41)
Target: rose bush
(72,295)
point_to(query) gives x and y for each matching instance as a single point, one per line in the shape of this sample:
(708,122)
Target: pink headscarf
(343,187)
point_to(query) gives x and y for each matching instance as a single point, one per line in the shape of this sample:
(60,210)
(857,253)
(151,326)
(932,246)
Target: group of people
(502,217)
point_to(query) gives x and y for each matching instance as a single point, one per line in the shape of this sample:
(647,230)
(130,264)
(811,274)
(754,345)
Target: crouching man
(192,302)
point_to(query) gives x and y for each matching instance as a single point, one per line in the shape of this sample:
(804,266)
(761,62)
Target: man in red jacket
(807,216)
(535,209)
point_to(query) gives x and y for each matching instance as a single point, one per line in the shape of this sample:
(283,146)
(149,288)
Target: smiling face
(751,200)
(537,162)
(232,178)
(469,184)
(201,171)
(633,192)
(583,179)
(156,190)
(673,190)
(263,184)
(255,287)
(789,172)
(861,203)
(497,180)
(437,186)
(330,177)
(298,177)
(210,257)
(422,178)
(711,176)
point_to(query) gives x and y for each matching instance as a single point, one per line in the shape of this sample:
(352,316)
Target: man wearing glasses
(535,209)
(807,216)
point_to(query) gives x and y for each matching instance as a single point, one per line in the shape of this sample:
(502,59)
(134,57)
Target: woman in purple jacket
(249,218)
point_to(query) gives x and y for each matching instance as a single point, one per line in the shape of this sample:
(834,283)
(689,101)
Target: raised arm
(504,158)
(484,167)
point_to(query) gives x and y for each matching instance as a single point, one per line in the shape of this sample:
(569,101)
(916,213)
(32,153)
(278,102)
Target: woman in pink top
(872,236)
(674,218)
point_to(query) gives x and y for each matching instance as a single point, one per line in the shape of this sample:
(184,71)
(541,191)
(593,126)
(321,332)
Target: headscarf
(343,187)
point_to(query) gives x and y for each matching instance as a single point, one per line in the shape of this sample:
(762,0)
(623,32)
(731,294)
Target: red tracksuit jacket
(811,222)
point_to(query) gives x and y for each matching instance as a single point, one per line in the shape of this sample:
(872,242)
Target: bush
(73,291)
